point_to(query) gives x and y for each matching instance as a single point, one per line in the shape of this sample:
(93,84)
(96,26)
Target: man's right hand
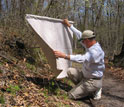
(59,54)
(66,22)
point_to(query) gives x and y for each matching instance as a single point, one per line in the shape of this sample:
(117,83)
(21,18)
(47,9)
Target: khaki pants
(83,87)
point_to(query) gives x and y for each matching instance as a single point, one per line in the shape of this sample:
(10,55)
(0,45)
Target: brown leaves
(116,72)
(36,89)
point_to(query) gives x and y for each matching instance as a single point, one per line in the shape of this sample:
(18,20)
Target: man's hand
(66,22)
(59,54)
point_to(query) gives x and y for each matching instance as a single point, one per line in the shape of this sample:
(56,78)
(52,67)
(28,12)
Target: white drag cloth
(53,35)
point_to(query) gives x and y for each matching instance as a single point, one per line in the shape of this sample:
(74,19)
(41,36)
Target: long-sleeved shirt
(92,60)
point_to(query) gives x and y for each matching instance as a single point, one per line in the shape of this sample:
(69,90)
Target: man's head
(87,34)
(88,38)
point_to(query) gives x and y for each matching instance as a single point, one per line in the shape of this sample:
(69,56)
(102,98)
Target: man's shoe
(98,94)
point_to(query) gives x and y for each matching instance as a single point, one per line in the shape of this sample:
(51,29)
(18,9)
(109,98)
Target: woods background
(26,79)
(105,17)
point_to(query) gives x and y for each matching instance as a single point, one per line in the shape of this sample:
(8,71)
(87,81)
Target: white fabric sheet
(53,35)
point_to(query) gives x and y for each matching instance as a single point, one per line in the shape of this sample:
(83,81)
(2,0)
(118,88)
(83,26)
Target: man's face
(85,42)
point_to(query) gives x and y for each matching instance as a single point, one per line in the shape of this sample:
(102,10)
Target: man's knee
(71,71)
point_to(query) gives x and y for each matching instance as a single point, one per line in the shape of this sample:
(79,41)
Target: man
(89,80)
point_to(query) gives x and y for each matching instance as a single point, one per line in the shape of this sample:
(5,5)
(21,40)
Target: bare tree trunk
(86,16)
(93,9)
(39,6)
(0,6)
(7,5)
(99,14)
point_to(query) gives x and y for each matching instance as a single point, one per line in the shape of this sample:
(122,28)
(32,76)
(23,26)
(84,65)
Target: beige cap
(87,34)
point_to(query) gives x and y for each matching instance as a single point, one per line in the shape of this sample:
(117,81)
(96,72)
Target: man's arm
(74,30)
(59,54)
(76,58)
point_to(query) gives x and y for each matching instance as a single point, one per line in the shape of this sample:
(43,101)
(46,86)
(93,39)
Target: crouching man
(89,79)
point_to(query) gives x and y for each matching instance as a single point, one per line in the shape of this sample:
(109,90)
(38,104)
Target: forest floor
(23,84)
(20,87)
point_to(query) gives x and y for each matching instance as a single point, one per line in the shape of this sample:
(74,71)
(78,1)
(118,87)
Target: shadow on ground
(52,85)
(113,96)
